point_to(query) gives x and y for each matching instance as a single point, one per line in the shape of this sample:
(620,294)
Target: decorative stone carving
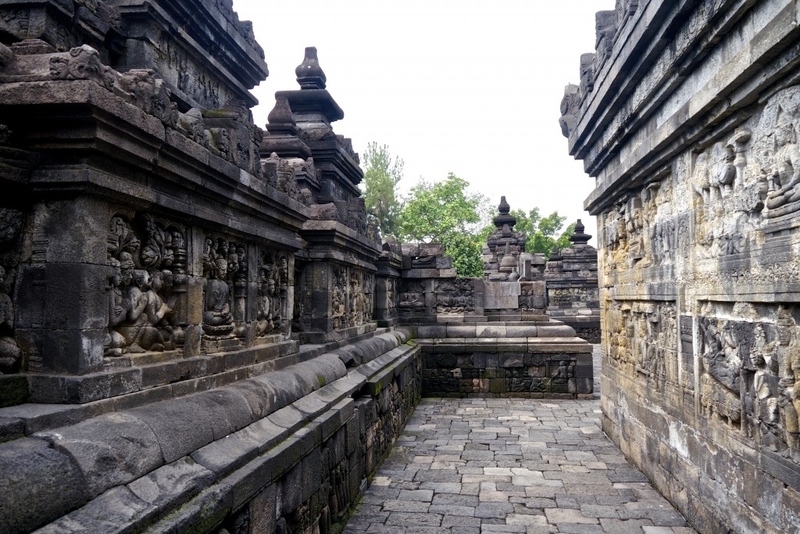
(151,95)
(10,354)
(570,106)
(148,273)
(82,63)
(412,298)
(270,316)
(503,247)
(225,270)
(587,74)
(455,296)
(606,31)
(783,196)
(339,315)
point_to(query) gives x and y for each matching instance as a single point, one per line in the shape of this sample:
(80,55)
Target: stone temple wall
(688,117)
(199,331)
(187,340)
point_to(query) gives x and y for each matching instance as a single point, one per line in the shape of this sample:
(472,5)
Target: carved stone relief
(339,316)
(225,271)
(643,339)
(10,230)
(411,298)
(751,371)
(455,296)
(285,175)
(227,131)
(148,260)
(273,290)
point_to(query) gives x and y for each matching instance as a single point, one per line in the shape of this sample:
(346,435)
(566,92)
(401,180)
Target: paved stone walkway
(467,466)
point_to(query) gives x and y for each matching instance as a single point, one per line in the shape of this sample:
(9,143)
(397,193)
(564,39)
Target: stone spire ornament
(309,73)
(578,237)
(281,119)
(504,222)
(503,246)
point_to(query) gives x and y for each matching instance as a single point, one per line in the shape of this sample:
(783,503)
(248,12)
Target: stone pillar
(338,265)
(387,281)
(572,291)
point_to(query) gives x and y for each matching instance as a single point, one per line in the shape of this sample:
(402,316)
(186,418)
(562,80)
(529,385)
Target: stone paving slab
(510,465)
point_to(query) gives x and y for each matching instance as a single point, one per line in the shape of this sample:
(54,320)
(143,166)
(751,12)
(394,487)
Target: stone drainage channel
(511,465)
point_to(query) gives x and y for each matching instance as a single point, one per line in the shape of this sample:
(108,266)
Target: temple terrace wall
(687,117)
(199,330)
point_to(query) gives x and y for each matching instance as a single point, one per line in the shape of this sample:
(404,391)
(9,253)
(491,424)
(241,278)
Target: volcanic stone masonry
(199,331)
(687,116)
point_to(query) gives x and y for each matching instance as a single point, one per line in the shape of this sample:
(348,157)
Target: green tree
(542,231)
(447,213)
(382,173)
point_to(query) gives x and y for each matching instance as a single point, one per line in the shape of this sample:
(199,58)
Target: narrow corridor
(511,465)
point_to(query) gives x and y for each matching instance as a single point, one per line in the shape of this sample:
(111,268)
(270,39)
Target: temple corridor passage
(511,465)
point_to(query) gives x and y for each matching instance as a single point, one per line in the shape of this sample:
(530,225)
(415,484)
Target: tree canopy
(382,173)
(447,212)
(542,232)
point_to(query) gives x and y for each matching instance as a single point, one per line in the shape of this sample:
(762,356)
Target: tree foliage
(446,212)
(382,173)
(542,232)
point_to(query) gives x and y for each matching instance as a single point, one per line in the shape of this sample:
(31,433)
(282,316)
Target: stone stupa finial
(504,221)
(281,118)
(578,237)
(309,73)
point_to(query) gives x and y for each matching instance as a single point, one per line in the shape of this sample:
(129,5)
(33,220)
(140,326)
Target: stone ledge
(307,402)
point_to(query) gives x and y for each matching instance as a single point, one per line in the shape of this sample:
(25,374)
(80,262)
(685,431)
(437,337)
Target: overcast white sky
(470,87)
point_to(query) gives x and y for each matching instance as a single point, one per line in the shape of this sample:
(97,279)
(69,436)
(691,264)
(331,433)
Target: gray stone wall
(282,451)
(687,117)
(199,331)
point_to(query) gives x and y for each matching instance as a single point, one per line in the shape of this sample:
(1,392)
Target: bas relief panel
(724,220)
(455,296)
(148,260)
(11,222)
(750,358)
(147,288)
(642,340)
(411,298)
(273,294)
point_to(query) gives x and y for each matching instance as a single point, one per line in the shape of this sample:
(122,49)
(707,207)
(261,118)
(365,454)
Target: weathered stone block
(501,295)
(44,471)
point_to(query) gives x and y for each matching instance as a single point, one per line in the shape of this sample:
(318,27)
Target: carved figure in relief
(217,317)
(268,307)
(562,373)
(784,186)
(764,394)
(115,342)
(789,365)
(10,353)
(157,311)
(725,366)
(410,301)
(700,179)
(339,300)
(358,306)
(140,335)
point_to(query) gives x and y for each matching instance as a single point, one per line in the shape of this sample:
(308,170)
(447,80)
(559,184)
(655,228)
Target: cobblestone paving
(510,465)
